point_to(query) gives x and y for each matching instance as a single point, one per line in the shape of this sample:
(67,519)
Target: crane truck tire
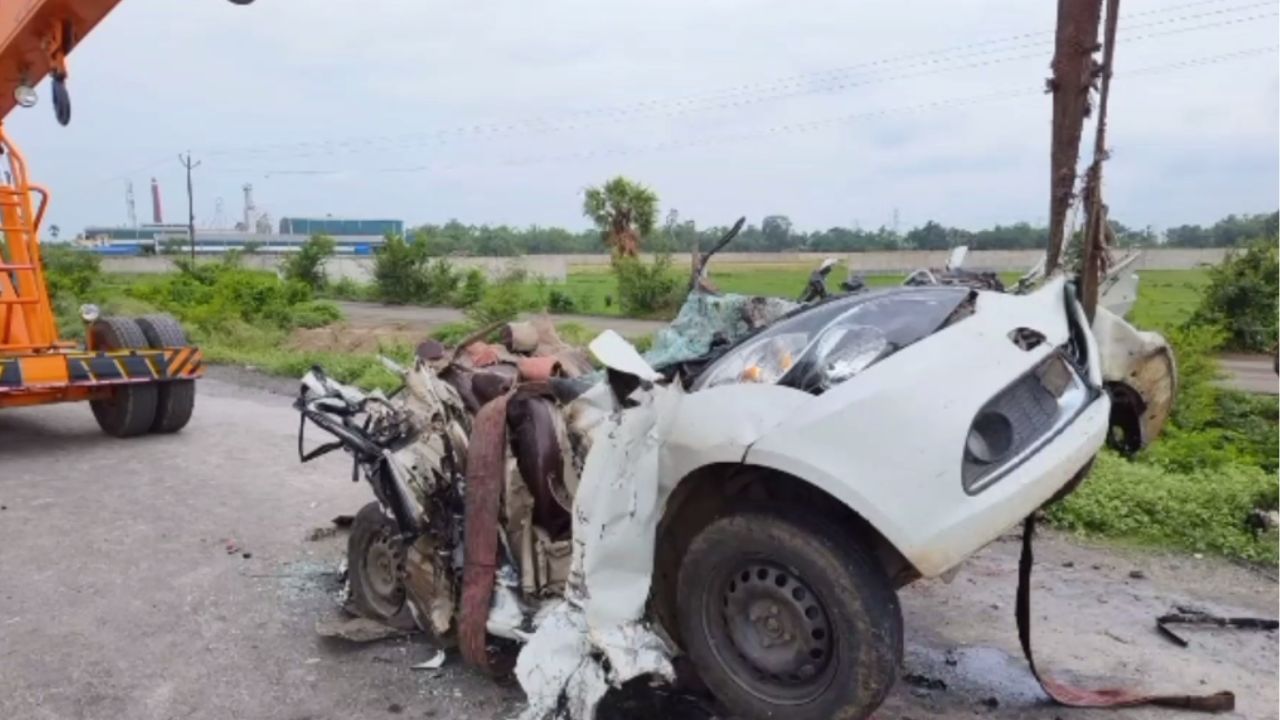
(177,398)
(130,409)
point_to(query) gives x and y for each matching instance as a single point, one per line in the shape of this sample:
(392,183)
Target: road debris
(1181,615)
(355,629)
(1073,696)
(321,533)
(435,662)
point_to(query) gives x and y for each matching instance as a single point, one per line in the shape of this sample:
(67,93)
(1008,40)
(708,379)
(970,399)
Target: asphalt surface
(171,577)
(1251,373)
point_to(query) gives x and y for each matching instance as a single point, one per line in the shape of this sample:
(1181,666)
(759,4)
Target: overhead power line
(834,79)
(789,128)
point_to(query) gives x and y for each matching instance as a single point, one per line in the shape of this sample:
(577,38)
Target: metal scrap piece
(486,467)
(597,636)
(1191,616)
(1072,696)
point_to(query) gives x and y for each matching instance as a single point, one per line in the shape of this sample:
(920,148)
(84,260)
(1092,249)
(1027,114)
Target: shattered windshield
(816,348)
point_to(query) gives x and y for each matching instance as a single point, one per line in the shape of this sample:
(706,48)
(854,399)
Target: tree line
(775,233)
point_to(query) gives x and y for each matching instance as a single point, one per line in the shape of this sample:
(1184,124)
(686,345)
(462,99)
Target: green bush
(502,301)
(1242,295)
(396,270)
(348,289)
(212,295)
(1212,426)
(1203,510)
(452,333)
(70,273)
(307,264)
(404,272)
(314,314)
(559,301)
(646,289)
(472,289)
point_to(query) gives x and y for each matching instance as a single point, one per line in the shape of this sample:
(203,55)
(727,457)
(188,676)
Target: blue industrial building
(358,237)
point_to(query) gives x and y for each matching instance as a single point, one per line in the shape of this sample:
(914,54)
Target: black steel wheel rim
(770,631)
(381,574)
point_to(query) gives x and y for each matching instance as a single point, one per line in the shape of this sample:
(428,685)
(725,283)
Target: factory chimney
(156,216)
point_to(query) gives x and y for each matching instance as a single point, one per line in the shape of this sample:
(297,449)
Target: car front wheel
(786,618)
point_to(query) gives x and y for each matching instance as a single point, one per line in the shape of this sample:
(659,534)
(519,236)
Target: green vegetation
(1215,466)
(1242,295)
(624,212)
(1167,298)
(775,233)
(307,265)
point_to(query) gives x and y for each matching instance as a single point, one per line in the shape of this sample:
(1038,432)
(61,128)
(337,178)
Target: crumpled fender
(1141,375)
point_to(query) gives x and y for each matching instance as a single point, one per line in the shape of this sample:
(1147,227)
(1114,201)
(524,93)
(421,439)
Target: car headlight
(829,343)
(764,359)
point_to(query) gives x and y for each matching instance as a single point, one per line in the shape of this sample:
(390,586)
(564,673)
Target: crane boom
(37,35)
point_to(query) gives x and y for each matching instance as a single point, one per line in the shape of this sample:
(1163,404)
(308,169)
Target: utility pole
(191,213)
(1074,72)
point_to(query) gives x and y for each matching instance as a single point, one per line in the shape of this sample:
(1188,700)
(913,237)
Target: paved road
(119,600)
(1251,373)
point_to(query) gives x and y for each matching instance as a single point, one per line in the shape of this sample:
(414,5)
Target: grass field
(1166,298)
(595,290)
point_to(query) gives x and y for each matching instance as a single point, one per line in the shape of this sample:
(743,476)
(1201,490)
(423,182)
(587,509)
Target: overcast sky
(831,112)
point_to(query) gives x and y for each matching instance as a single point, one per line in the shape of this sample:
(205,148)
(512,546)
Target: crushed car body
(750,493)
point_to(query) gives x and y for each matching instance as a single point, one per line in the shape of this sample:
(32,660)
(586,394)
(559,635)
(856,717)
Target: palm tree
(625,211)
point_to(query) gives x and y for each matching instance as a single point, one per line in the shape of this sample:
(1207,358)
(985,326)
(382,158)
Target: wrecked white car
(752,503)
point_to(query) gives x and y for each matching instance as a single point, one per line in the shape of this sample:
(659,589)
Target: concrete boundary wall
(558,267)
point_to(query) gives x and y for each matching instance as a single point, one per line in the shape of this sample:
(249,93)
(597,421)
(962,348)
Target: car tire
(175,399)
(374,553)
(129,409)
(789,618)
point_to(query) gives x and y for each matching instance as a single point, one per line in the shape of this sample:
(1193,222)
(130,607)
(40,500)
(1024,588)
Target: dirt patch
(350,339)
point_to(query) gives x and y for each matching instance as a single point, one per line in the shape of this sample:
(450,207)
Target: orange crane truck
(138,374)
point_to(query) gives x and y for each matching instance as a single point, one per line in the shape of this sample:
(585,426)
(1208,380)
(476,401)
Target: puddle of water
(977,671)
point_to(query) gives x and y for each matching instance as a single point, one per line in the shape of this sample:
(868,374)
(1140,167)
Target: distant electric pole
(130,207)
(191,213)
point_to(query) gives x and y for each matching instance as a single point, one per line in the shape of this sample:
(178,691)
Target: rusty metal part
(520,337)
(481,354)
(431,589)
(489,385)
(530,420)
(1073,73)
(478,335)
(1072,696)
(486,464)
(538,368)
(1191,616)
(430,350)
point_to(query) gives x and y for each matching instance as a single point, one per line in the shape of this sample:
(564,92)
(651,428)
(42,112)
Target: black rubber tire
(61,100)
(130,409)
(372,525)
(863,618)
(175,399)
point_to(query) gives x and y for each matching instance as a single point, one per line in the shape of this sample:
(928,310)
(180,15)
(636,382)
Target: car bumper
(979,520)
